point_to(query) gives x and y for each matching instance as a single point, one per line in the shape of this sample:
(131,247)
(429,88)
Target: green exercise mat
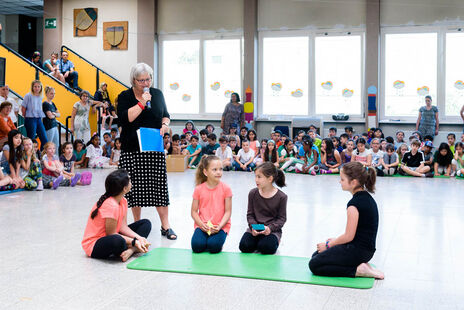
(240,265)
(410,176)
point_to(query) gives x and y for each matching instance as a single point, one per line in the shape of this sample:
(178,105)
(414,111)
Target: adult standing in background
(67,69)
(4,96)
(462,114)
(49,121)
(147,170)
(427,121)
(80,125)
(233,114)
(33,113)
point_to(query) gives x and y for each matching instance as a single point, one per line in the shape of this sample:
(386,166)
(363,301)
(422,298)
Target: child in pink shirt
(107,233)
(211,207)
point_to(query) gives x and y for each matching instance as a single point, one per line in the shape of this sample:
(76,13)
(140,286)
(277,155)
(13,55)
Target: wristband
(327,244)
(133,241)
(141,106)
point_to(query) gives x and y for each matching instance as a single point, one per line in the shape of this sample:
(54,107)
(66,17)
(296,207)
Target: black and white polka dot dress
(147,171)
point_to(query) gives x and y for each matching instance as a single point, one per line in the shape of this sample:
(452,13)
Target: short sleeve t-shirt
(245,157)
(376,157)
(413,160)
(390,159)
(96,227)
(368,221)
(68,164)
(49,161)
(301,153)
(49,123)
(212,203)
(210,149)
(227,154)
(192,149)
(79,154)
(361,157)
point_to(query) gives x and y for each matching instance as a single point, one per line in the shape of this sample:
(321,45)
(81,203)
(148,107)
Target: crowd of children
(309,153)
(24,166)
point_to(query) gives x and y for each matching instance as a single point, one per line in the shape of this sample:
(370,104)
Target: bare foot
(366,271)
(127,253)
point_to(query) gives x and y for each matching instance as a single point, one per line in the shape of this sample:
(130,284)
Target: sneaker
(40,186)
(429,175)
(313,172)
(75,179)
(391,171)
(57,182)
(297,170)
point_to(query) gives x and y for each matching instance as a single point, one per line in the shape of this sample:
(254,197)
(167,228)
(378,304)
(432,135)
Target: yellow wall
(87,72)
(114,87)
(18,73)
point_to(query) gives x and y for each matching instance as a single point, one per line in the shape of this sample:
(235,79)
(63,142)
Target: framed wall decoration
(85,22)
(115,35)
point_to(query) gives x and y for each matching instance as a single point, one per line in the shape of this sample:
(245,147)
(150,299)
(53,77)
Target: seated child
(193,153)
(347,153)
(108,145)
(190,126)
(212,146)
(451,141)
(316,141)
(361,154)
(344,139)
(267,205)
(299,139)
(80,152)
(390,160)
(428,155)
(37,152)
(225,154)
(442,160)
(211,207)
(254,143)
(107,233)
(115,153)
(210,128)
(271,155)
(188,136)
(233,133)
(175,145)
(11,159)
(377,156)
(413,162)
(183,142)
(243,135)
(95,154)
(114,134)
(458,161)
(337,145)
(348,255)
(259,158)
(31,165)
(68,160)
(6,182)
(203,138)
(289,156)
(399,139)
(52,172)
(309,153)
(167,143)
(233,145)
(244,159)
(401,150)
(330,158)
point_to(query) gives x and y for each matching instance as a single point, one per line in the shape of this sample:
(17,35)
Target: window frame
(311,36)
(202,114)
(441,32)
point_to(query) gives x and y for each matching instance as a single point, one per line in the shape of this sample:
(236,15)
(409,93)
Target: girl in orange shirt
(211,207)
(107,233)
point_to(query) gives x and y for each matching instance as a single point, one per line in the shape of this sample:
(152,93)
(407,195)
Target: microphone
(147,90)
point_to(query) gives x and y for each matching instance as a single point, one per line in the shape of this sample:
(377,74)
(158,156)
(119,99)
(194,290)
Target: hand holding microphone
(146,95)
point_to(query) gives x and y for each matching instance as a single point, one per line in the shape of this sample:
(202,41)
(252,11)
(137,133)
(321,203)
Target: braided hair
(115,183)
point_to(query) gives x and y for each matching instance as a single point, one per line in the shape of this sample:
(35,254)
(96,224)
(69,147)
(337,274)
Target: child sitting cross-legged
(377,156)
(79,151)
(211,147)
(309,153)
(244,159)
(442,160)
(225,154)
(361,154)
(348,255)
(390,160)
(330,158)
(52,173)
(267,205)
(413,162)
(270,154)
(458,161)
(193,152)
(30,164)
(68,160)
(211,207)
(95,154)
(289,156)
(115,153)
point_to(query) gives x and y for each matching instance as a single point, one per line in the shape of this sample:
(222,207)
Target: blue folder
(150,140)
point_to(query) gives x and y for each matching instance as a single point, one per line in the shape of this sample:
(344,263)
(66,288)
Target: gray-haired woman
(147,170)
(80,125)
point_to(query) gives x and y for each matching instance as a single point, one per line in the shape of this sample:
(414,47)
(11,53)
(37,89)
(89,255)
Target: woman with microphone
(144,106)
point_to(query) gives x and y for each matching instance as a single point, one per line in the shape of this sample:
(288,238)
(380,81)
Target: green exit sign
(50,23)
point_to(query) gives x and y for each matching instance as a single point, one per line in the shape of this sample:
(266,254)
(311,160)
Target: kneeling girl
(267,205)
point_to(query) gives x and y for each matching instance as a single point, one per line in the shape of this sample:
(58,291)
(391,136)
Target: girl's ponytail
(370,180)
(99,203)
(269,170)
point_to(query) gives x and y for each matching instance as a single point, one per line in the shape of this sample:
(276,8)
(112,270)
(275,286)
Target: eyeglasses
(144,80)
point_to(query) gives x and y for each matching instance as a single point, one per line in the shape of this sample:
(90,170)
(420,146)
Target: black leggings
(264,244)
(114,245)
(339,261)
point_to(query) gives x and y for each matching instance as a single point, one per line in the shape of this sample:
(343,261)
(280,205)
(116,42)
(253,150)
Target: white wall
(116,63)
(3,22)
(301,14)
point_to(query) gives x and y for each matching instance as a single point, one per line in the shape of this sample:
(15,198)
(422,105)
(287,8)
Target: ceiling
(24,7)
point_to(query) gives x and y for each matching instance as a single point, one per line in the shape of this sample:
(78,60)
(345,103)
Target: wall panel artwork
(85,22)
(115,35)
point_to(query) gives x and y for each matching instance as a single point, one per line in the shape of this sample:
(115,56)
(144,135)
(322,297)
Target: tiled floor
(420,249)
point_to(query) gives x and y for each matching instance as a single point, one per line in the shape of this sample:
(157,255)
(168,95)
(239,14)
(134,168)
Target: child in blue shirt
(193,152)
(212,146)
(310,154)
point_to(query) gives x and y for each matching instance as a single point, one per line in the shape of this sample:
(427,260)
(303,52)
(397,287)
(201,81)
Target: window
(338,75)
(222,71)
(285,76)
(410,72)
(454,73)
(180,75)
